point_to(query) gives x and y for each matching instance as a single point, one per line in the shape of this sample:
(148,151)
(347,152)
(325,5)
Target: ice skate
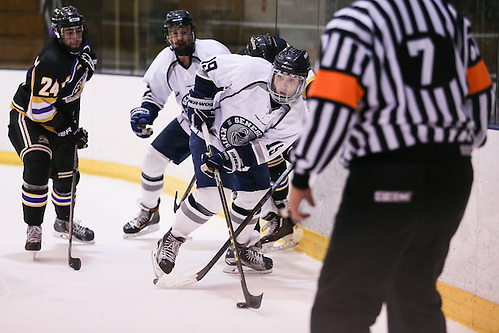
(146,222)
(280,235)
(33,239)
(253,261)
(80,233)
(164,255)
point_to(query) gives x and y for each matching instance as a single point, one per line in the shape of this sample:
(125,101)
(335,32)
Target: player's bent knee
(37,165)
(208,198)
(248,199)
(154,163)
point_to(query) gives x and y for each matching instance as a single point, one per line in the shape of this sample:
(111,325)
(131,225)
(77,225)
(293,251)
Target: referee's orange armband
(336,87)
(478,78)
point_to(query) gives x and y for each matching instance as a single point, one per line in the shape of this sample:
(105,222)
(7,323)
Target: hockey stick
(73,262)
(186,193)
(251,301)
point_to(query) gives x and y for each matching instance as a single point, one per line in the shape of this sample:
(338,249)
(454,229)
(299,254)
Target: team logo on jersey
(238,131)
(78,89)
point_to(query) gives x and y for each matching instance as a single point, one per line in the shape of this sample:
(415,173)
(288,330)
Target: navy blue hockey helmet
(178,18)
(294,63)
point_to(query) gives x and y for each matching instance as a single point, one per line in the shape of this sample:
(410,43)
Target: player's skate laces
(34,238)
(80,232)
(145,222)
(250,257)
(278,227)
(167,250)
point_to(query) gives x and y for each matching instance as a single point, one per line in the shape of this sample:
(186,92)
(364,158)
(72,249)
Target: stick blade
(253,301)
(74,263)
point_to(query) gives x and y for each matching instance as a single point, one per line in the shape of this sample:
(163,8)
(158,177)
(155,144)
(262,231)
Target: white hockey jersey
(167,74)
(243,111)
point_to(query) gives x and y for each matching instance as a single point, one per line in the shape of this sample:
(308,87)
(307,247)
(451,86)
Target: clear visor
(285,88)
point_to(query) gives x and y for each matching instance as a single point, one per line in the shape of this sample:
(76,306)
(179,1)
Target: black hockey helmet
(263,46)
(65,17)
(177,18)
(292,62)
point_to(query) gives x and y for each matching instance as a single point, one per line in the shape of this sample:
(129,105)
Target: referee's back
(411,72)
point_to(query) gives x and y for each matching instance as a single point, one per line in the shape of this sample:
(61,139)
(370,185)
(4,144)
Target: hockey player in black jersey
(44,126)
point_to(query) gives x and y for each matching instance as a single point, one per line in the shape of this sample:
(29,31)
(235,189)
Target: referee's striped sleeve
(480,98)
(333,98)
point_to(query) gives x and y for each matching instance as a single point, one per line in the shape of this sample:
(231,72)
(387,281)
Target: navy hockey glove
(78,137)
(140,117)
(200,110)
(229,161)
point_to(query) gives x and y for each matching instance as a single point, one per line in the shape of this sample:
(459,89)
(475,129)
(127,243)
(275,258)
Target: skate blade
(247,270)
(35,253)
(158,272)
(63,235)
(145,231)
(287,242)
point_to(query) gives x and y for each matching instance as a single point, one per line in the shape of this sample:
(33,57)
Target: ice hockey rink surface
(114,292)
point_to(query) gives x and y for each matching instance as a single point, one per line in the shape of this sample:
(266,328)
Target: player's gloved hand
(78,137)
(228,161)
(200,110)
(139,119)
(88,59)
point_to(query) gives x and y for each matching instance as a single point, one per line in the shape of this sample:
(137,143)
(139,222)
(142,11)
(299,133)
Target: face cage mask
(186,50)
(285,99)
(76,52)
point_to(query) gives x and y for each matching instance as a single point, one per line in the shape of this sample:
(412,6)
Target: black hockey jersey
(51,93)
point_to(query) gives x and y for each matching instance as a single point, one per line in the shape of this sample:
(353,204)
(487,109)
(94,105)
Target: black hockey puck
(242,305)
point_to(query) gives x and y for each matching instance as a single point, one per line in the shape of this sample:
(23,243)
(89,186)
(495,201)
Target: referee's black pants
(398,214)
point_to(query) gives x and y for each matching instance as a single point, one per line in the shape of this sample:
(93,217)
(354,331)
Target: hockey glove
(229,161)
(78,137)
(140,117)
(88,59)
(200,110)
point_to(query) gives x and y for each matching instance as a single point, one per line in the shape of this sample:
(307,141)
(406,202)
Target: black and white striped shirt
(394,74)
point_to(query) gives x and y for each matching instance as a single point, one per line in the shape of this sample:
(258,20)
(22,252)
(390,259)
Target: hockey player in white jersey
(172,71)
(254,112)
(278,225)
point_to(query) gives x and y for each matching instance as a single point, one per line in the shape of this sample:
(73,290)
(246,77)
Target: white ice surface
(113,291)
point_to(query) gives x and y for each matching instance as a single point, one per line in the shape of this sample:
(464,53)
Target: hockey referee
(402,91)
